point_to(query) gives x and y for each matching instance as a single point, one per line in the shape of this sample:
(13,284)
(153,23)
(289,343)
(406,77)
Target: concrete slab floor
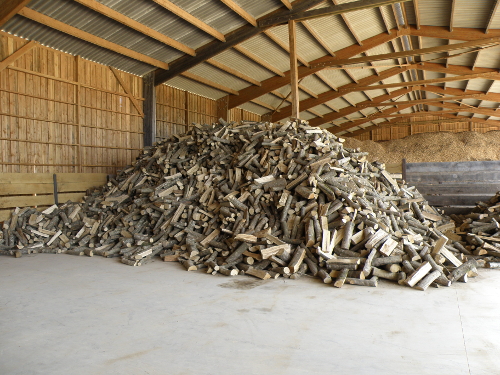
(62,314)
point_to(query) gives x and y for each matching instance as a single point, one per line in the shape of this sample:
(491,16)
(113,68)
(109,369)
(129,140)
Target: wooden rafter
(287,3)
(9,8)
(318,38)
(258,60)
(285,47)
(133,24)
(458,33)
(186,16)
(328,11)
(234,38)
(430,100)
(207,82)
(452,13)
(492,16)
(274,83)
(240,11)
(417,13)
(17,54)
(457,108)
(416,52)
(330,95)
(73,31)
(384,20)
(233,72)
(490,96)
(348,24)
(418,83)
(362,121)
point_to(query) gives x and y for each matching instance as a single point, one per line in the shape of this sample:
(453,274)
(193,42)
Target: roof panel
(259,8)
(254,108)
(314,84)
(435,12)
(365,23)
(472,13)
(195,87)
(268,51)
(216,75)
(32,30)
(479,84)
(235,60)
(489,58)
(388,16)
(158,18)
(333,31)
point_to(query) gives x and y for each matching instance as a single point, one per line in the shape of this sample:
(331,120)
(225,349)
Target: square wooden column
(294,75)
(149,109)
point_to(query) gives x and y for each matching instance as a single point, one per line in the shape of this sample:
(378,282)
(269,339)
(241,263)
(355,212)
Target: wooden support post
(403,169)
(21,51)
(56,197)
(186,109)
(470,125)
(294,75)
(78,114)
(149,93)
(223,108)
(266,117)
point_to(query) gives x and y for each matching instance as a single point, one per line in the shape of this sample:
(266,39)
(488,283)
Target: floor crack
(463,334)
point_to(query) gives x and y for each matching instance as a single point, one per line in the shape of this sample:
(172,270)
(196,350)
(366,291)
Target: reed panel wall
(177,109)
(60,113)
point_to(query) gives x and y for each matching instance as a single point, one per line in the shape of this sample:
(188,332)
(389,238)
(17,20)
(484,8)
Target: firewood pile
(480,231)
(267,200)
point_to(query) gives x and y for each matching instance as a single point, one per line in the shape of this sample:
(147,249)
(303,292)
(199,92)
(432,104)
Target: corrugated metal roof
(489,58)
(85,19)
(306,115)
(479,84)
(365,23)
(335,77)
(268,51)
(259,8)
(218,76)
(254,108)
(237,61)
(333,32)
(271,99)
(410,12)
(321,109)
(195,87)
(158,18)
(488,104)
(434,12)
(388,15)
(472,13)
(32,30)
(314,84)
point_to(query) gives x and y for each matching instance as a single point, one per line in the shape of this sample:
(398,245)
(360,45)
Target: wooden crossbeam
(490,96)
(240,11)
(421,101)
(234,38)
(458,33)
(127,90)
(83,35)
(133,24)
(14,56)
(9,8)
(276,82)
(330,95)
(489,75)
(403,54)
(328,11)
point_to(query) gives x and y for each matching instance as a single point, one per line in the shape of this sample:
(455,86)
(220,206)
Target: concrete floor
(68,315)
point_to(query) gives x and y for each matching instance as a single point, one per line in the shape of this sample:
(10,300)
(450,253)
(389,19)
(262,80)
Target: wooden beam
(287,4)
(462,108)
(294,75)
(83,35)
(9,8)
(453,3)
(127,90)
(274,83)
(137,26)
(492,15)
(362,121)
(490,96)
(458,33)
(222,109)
(278,41)
(330,95)
(13,57)
(241,12)
(233,72)
(421,101)
(454,69)
(208,82)
(179,12)
(348,24)
(417,13)
(328,11)
(318,38)
(418,83)
(403,54)
(258,60)
(149,121)
(478,120)
(216,47)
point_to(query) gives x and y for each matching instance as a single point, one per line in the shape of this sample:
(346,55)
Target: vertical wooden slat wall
(177,109)
(385,133)
(61,113)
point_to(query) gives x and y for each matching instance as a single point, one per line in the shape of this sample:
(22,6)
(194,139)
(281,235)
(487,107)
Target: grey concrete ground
(62,314)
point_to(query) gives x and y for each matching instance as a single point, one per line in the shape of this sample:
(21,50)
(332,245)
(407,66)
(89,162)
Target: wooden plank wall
(60,113)
(28,189)
(455,183)
(177,109)
(386,133)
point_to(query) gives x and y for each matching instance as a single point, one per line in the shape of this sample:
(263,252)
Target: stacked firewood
(480,231)
(267,200)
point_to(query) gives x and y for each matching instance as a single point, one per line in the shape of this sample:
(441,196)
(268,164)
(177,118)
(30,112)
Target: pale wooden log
(419,274)
(341,278)
(388,247)
(261,274)
(297,259)
(373,282)
(323,275)
(274,250)
(462,270)
(428,280)
(386,260)
(384,274)
(367,268)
